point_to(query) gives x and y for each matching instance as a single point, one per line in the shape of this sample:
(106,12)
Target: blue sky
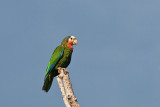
(115,64)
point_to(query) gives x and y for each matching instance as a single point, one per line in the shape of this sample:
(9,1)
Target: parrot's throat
(69,44)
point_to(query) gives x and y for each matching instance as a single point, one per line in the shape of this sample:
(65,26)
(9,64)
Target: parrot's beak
(75,42)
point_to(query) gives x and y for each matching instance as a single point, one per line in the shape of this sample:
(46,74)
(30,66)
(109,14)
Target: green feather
(50,72)
(61,57)
(56,56)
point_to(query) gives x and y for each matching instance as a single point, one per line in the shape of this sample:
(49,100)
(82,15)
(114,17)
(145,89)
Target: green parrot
(61,57)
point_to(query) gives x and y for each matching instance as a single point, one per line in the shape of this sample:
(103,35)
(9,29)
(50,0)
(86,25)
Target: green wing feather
(56,56)
(50,73)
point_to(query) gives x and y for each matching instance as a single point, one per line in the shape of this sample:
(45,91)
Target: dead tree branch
(65,86)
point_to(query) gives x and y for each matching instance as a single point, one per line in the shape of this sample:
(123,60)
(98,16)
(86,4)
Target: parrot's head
(69,40)
(72,40)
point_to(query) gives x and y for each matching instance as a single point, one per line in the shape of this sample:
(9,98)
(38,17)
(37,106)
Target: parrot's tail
(48,82)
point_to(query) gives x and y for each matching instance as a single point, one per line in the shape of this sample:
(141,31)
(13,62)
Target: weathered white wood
(66,102)
(66,89)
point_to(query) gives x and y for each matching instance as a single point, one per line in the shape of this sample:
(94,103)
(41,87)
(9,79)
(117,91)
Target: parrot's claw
(59,70)
(64,69)
(66,72)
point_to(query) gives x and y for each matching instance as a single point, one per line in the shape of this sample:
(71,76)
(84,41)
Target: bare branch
(66,102)
(65,85)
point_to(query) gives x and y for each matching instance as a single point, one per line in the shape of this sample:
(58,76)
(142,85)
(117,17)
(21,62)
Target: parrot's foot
(66,72)
(64,69)
(59,70)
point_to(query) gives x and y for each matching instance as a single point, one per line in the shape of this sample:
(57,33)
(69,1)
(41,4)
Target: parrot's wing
(56,56)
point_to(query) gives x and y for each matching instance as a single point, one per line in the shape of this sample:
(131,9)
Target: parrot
(61,57)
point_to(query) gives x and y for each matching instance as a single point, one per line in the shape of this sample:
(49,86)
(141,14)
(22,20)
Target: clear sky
(115,64)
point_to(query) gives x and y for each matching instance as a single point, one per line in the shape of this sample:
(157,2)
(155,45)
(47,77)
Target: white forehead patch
(73,37)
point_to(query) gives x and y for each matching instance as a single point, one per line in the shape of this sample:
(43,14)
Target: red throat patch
(69,44)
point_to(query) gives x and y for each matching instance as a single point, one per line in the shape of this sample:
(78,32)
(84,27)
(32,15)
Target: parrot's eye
(71,38)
